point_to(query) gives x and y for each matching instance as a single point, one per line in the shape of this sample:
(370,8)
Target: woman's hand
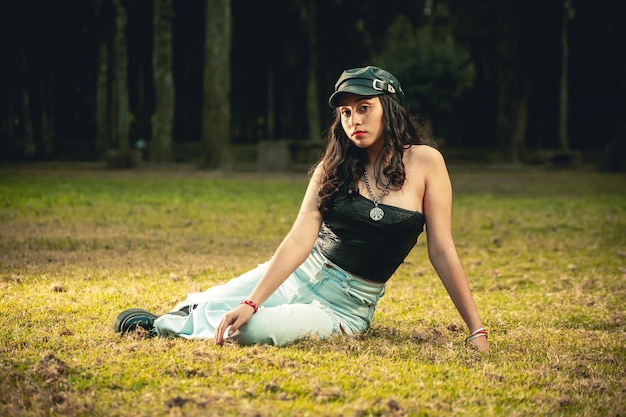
(292,251)
(481,344)
(232,321)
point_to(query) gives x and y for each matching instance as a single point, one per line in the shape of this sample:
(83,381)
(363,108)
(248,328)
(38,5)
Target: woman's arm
(441,248)
(291,253)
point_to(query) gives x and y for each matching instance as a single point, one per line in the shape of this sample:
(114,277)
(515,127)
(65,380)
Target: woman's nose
(356,119)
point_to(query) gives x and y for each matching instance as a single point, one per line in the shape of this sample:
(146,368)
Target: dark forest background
(220,81)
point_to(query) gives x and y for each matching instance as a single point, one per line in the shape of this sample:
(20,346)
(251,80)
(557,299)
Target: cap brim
(360,90)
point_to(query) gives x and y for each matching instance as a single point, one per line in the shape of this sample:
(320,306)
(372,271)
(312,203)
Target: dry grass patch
(544,251)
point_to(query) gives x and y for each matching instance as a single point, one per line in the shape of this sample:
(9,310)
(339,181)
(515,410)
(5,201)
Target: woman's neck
(373,154)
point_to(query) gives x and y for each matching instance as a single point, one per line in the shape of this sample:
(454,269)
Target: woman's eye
(364,108)
(345,112)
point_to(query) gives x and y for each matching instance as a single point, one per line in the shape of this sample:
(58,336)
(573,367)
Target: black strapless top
(370,249)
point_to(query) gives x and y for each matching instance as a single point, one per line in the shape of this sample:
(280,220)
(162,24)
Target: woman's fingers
(227,320)
(232,321)
(481,344)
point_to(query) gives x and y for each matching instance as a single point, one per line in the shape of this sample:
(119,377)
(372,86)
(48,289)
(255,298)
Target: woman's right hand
(232,321)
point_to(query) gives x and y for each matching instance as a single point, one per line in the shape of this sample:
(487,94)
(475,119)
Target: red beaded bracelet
(251,304)
(476,334)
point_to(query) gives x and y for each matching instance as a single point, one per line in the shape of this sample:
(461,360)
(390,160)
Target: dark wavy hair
(343,163)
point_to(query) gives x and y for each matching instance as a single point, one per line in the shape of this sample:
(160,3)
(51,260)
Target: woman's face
(362,120)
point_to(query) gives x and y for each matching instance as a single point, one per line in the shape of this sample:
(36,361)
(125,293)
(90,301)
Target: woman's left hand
(481,344)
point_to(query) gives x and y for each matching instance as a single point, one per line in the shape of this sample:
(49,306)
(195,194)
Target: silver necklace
(376,213)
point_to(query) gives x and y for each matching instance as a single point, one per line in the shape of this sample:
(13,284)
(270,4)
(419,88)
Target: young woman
(368,199)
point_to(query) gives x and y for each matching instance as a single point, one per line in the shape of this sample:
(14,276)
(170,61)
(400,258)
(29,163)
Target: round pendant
(376,213)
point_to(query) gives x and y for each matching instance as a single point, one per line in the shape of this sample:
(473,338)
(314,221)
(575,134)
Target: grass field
(545,252)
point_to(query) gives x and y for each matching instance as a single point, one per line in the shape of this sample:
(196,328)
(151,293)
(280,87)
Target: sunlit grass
(545,252)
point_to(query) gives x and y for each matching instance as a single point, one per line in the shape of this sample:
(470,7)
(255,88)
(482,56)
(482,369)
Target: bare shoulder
(425,156)
(316,174)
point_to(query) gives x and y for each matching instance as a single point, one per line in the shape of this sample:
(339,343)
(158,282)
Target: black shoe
(185,311)
(181,313)
(129,320)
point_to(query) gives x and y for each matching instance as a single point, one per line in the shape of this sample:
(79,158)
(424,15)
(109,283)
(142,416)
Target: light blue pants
(319,299)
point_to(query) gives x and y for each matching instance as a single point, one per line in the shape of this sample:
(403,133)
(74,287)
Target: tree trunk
(216,82)
(47,119)
(120,82)
(29,132)
(10,116)
(312,99)
(271,118)
(511,83)
(163,121)
(103,97)
(518,141)
(112,102)
(564,100)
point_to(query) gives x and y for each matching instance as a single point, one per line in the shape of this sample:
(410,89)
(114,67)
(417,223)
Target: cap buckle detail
(380,85)
(377,88)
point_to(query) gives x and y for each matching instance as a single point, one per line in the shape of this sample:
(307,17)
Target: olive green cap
(367,81)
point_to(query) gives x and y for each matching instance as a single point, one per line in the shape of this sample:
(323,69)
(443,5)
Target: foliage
(544,251)
(433,68)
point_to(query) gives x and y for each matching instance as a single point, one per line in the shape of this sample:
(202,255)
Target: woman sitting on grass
(368,199)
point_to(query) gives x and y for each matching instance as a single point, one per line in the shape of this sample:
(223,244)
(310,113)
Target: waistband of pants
(330,264)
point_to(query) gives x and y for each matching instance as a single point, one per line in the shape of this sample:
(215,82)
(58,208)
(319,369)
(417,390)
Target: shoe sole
(128,320)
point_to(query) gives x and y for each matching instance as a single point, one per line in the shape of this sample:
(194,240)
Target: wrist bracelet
(476,334)
(252,304)
(481,330)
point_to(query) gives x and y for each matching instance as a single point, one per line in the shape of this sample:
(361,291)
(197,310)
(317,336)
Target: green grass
(545,252)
